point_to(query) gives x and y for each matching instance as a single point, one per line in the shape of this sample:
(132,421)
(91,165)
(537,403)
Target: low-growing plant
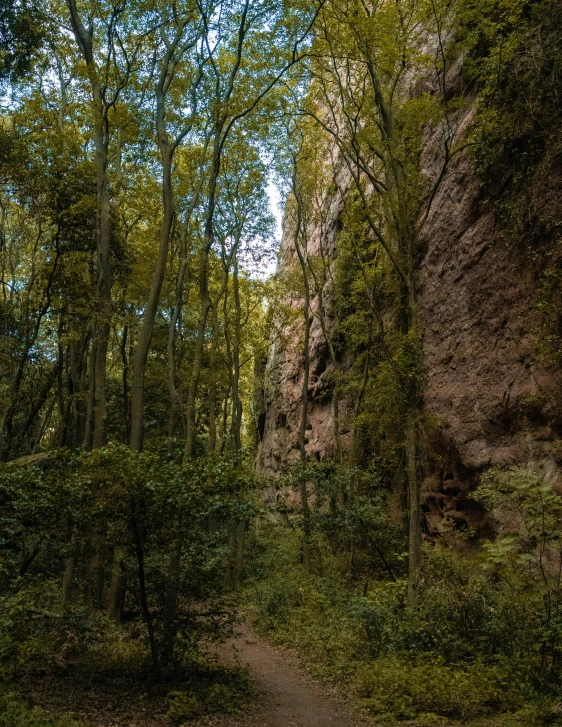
(481,645)
(394,686)
(15,712)
(227,690)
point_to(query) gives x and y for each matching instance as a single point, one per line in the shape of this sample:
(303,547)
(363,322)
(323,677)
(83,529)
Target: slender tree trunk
(239,559)
(102,302)
(60,386)
(171,348)
(204,297)
(77,368)
(69,569)
(6,425)
(97,571)
(142,589)
(88,421)
(125,380)
(236,424)
(415,535)
(204,307)
(212,442)
(37,440)
(41,399)
(360,396)
(118,584)
(406,244)
(174,396)
(102,314)
(145,334)
(223,422)
(172,593)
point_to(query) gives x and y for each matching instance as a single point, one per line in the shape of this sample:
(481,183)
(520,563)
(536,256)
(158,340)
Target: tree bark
(145,334)
(212,441)
(96,577)
(118,584)
(172,593)
(102,304)
(415,535)
(142,589)
(204,297)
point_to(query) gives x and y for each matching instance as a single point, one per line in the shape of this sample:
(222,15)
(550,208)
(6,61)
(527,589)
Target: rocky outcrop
(495,398)
(284,371)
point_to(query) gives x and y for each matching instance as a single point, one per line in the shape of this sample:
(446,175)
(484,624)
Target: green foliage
(528,555)
(475,648)
(16,713)
(229,692)
(513,53)
(349,506)
(397,689)
(395,385)
(20,36)
(54,512)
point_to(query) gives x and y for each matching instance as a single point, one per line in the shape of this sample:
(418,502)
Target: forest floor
(286,695)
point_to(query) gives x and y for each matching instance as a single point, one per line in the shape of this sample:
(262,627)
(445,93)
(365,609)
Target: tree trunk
(204,297)
(118,584)
(102,302)
(125,380)
(69,569)
(88,419)
(171,351)
(236,424)
(239,559)
(96,577)
(142,589)
(145,334)
(204,307)
(415,535)
(212,441)
(172,592)
(102,312)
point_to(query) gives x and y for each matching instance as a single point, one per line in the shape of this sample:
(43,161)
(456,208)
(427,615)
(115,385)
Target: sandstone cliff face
(284,371)
(493,395)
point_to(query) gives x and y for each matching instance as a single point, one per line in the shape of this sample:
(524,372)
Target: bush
(393,686)
(112,517)
(227,690)
(474,647)
(15,713)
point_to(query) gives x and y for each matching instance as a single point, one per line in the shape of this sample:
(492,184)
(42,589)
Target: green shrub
(183,704)
(225,698)
(472,649)
(15,713)
(531,715)
(393,686)
(227,690)
(311,614)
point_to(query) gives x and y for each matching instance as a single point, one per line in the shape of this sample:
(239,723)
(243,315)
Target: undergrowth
(15,712)
(481,647)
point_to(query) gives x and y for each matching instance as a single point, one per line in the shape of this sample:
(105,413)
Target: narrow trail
(288,696)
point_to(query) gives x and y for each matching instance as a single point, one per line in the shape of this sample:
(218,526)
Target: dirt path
(289,697)
(286,695)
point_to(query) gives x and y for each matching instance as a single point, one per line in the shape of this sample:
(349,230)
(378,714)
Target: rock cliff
(495,398)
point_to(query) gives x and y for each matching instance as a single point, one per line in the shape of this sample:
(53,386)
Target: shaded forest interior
(163,466)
